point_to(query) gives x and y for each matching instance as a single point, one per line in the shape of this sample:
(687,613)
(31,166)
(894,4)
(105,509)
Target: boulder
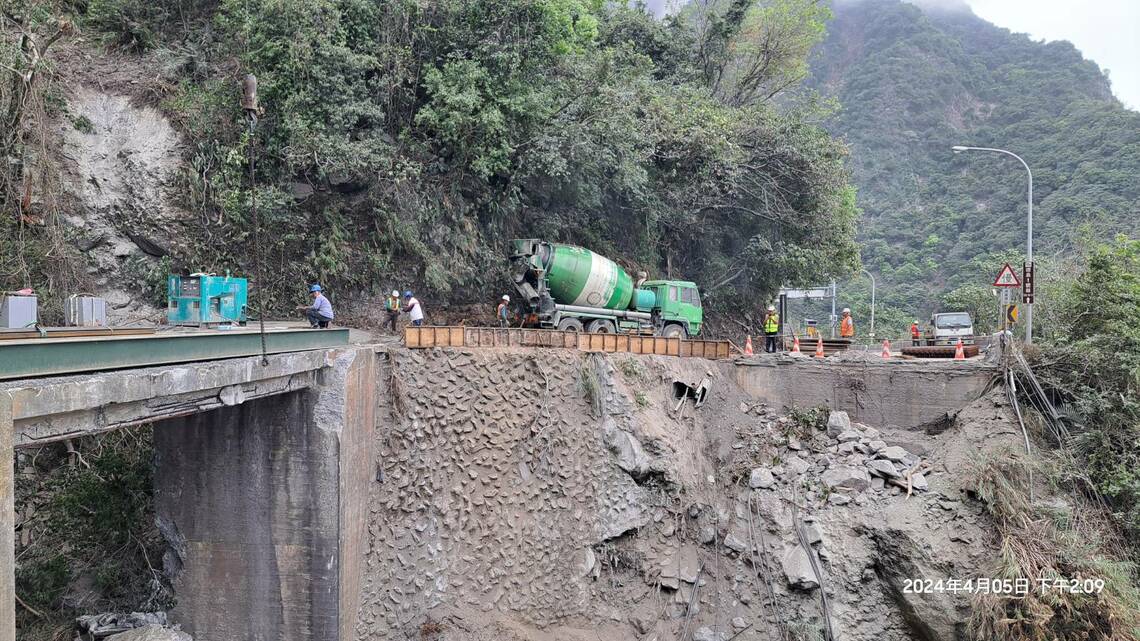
(894,453)
(797,569)
(837,423)
(761,479)
(630,455)
(796,465)
(705,633)
(684,565)
(918,482)
(882,468)
(734,543)
(851,478)
(849,435)
(877,446)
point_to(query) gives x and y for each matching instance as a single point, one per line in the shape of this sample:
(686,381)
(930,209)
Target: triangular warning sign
(1006,278)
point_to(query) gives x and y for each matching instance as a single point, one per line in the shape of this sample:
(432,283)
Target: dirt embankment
(554,495)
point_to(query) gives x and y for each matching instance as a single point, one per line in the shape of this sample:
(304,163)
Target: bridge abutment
(263,505)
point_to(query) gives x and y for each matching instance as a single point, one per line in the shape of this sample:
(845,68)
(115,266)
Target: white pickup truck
(947,328)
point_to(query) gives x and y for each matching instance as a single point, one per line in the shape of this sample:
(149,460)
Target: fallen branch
(30,608)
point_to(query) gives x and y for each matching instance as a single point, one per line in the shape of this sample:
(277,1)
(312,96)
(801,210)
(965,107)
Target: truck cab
(947,327)
(678,306)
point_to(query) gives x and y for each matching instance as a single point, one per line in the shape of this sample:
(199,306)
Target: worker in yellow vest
(771,329)
(847,325)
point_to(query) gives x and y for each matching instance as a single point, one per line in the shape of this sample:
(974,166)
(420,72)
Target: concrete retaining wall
(897,394)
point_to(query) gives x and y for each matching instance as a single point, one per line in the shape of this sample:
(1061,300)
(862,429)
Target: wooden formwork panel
(425,337)
(705,349)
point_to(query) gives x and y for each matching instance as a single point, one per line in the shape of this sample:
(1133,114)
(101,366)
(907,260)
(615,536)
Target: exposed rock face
(118,177)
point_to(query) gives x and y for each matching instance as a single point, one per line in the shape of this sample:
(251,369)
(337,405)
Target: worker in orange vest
(847,325)
(915,335)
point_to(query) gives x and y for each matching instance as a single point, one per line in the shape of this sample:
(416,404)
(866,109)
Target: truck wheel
(601,326)
(674,330)
(570,325)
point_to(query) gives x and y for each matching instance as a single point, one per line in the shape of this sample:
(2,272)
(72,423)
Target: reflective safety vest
(771,323)
(847,327)
(501,311)
(914,330)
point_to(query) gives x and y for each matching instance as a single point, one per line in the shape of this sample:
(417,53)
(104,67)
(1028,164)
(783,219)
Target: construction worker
(915,335)
(501,311)
(392,307)
(413,309)
(847,324)
(321,311)
(771,329)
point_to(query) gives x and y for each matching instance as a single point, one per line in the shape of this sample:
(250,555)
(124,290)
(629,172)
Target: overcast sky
(1106,31)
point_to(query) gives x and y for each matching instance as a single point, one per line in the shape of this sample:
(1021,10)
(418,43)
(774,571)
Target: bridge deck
(37,357)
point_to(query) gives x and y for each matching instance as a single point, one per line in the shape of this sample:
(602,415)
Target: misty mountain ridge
(914,79)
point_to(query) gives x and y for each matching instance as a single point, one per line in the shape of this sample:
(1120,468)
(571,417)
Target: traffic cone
(748,346)
(960,352)
(819,348)
(795,344)
(886,349)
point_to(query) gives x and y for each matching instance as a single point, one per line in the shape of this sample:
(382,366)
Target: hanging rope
(249,104)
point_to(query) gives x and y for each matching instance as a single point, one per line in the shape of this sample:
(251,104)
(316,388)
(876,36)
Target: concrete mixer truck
(572,288)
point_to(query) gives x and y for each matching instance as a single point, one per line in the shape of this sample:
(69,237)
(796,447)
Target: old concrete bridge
(264,470)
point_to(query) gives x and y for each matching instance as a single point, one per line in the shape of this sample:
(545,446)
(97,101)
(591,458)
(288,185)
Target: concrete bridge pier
(7,524)
(264,506)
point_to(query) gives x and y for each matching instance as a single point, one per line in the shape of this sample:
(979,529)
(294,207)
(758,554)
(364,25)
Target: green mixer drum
(578,276)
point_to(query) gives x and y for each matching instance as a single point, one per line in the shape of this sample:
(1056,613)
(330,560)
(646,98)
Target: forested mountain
(402,143)
(912,82)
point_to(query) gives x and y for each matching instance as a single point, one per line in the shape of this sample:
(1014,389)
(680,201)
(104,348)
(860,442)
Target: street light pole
(1029,234)
(872,301)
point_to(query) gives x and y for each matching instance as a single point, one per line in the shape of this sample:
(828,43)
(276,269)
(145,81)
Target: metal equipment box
(17,312)
(85,311)
(206,299)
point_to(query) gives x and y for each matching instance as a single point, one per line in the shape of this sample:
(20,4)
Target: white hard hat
(506,298)
(771,308)
(846,310)
(396,293)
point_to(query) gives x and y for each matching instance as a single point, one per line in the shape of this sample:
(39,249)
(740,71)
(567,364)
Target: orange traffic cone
(748,346)
(819,348)
(960,352)
(795,344)
(886,349)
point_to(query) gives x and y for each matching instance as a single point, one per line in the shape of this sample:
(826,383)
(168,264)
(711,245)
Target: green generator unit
(206,299)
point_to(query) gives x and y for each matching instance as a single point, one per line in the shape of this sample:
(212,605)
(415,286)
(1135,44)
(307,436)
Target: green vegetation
(86,533)
(1092,362)
(1038,542)
(405,141)
(913,83)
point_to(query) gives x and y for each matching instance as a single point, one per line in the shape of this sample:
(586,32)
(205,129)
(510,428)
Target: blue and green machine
(573,288)
(206,299)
